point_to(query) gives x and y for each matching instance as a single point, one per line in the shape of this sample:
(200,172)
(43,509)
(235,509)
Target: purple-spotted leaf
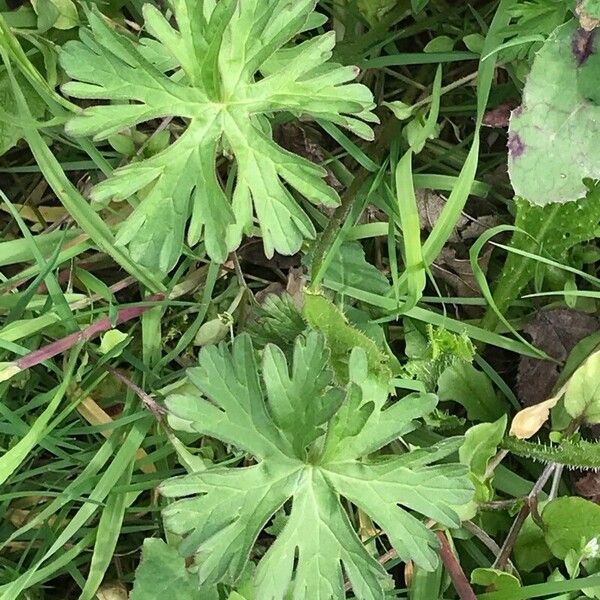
(553,142)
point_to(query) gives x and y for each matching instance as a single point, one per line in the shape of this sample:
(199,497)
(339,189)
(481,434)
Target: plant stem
(146,399)
(91,331)
(511,538)
(459,579)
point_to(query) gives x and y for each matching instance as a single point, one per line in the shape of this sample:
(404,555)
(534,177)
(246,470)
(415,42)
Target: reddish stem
(59,346)
(459,579)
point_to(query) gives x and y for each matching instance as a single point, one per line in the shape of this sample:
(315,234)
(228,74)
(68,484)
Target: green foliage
(319,464)
(552,142)
(278,320)
(500,580)
(321,314)
(570,522)
(60,14)
(311,442)
(375,10)
(226,108)
(162,573)
(480,446)
(10,131)
(463,383)
(543,230)
(430,357)
(582,397)
(572,454)
(531,549)
(349,267)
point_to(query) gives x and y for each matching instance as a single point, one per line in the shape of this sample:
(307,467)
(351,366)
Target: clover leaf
(224,71)
(312,444)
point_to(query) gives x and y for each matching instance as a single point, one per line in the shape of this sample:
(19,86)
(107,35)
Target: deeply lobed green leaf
(313,443)
(224,71)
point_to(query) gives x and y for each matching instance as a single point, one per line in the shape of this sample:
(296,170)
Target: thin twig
(459,579)
(482,536)
(556,482)
(494,463)
(502,504)
(511,538)
(149,402)
(485,539)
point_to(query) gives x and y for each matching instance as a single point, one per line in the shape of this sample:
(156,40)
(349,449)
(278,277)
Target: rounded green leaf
(553,139)
(570,522)
(582,398)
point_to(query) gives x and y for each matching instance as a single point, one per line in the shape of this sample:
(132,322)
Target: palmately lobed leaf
(553,138)
(313,443)
(237,68)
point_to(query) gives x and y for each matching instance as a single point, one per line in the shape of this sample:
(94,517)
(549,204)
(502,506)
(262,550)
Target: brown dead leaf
(457,272)
(500,116)
(308,143)
(556,332)
(431,205)
(588,485)
(295,286)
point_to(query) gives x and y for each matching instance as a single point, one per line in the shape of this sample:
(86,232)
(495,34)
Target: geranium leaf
(311,448)
(225,106)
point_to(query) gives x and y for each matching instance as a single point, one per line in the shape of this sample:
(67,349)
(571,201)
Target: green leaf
(349,267)
(430,357)
(10,130)
(474,42)
(582,397)
(401,110)
(463,383)
(570,522)
(375,10)
(531,549)
(311,450)
(481,444)
(500,580)
(549,230)
(278,320)
(552,140)
(441,43)
(213,331)
(60,14)
(111,339)
(236,72)
(162,573)
(321,314)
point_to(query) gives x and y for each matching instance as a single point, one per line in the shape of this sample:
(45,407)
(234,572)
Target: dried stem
(146,399)
(486,540)
(531,499)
